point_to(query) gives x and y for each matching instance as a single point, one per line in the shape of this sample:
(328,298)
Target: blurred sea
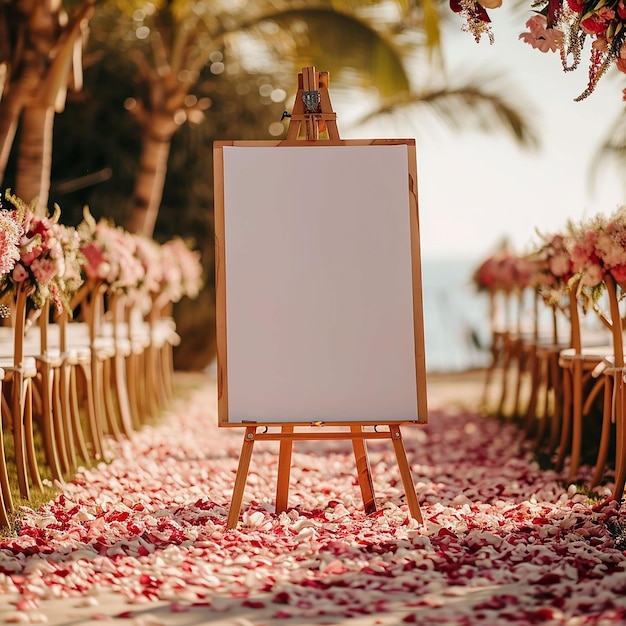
(456,323)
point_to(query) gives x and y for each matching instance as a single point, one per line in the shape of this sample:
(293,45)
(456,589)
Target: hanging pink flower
(564,26)
(541,37)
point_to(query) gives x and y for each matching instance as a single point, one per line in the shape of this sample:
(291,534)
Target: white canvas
(319,296)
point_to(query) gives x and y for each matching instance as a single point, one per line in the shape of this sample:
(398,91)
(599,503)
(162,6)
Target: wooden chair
(139,394)
(20,371)
(154,335)
(614,405)
(502,344)
(163,339)
(579,365)
(516,340)
(102,351)
(47,405)
(32,344)
(6,502)
(84,436)
(116,330)
(546,380)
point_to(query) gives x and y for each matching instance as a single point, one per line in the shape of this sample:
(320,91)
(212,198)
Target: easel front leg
(364,471)
(242,475)
(405,473)
(284,470)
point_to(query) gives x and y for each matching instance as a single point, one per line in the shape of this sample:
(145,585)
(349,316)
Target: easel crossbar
(357,435)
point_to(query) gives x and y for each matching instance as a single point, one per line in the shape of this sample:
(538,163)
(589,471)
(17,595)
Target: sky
(476,189)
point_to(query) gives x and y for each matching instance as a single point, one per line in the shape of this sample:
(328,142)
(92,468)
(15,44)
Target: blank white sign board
(318,285)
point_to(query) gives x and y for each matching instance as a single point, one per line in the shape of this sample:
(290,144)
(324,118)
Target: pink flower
(540,37)
(94,256)
(44,270)
(600,44)
(20,274)
(110,253)
(537,25)
(605,13)
(560,265)
(594,274)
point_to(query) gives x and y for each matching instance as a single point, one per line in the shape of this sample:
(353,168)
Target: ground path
(142,540)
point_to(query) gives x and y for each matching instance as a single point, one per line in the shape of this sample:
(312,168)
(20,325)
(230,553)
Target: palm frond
(611,150)
(466,107)
(345,45)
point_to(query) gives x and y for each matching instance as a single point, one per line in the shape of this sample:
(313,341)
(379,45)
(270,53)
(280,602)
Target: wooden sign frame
(312,126)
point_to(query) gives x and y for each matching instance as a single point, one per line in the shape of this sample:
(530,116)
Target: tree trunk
(44,56)
(19,94)
(150,180)
(32,180)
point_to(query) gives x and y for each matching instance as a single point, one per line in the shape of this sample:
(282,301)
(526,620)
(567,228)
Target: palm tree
(364,45)
(41,44)
(612,149)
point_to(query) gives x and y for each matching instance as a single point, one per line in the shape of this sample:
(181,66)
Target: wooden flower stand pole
(312,110)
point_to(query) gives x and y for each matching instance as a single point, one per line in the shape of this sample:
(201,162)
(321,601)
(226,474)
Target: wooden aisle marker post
(312,111)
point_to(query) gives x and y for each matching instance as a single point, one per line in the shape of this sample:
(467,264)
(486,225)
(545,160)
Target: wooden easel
(312,108)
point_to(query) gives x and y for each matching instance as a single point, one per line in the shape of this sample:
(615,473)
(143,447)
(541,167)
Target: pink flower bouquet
(182,270)
(110,255)
(48,264)
(504,271)
(553,266)
(598,248)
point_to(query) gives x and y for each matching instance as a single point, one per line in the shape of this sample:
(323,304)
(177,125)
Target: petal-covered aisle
(143,539)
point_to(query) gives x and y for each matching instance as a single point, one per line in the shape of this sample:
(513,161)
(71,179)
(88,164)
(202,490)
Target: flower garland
(563,26)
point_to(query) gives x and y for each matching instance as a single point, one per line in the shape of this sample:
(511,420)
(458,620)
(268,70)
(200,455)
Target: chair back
(616,321)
